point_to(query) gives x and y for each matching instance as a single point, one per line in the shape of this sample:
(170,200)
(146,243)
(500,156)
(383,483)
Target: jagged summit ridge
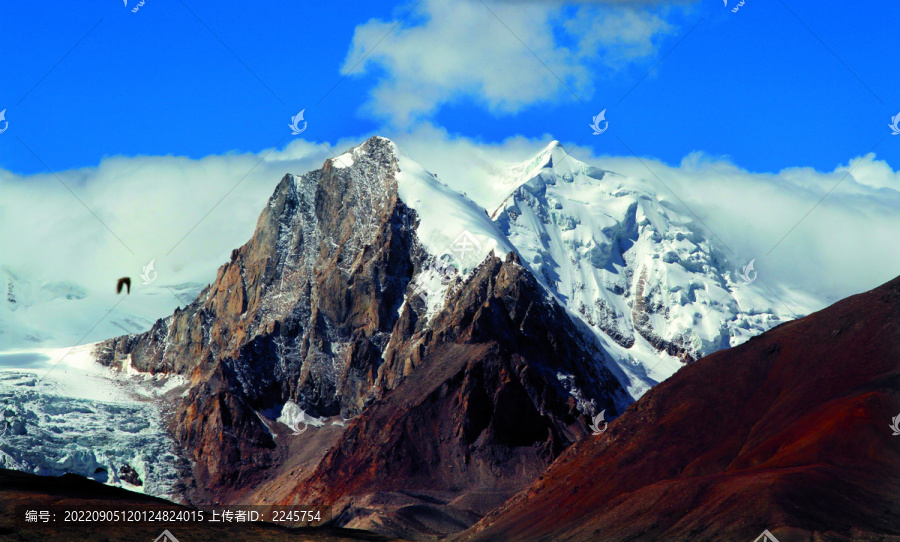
(320,312)
(634,268)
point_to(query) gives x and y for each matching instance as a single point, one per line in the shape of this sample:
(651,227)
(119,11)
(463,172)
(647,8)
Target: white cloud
(622,35)
(149,202)
(447,51)
(871,172)
(847,244)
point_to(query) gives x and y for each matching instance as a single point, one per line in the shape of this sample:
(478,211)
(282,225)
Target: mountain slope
(493,391)
(373,296)
(658,289)
(61,412)
(340,295)
(787,432)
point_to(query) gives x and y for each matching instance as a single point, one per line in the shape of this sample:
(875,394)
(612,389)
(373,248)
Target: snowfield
(445,215)
(83,418)
(652,286)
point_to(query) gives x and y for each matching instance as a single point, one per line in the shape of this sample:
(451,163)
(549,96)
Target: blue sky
(199,77)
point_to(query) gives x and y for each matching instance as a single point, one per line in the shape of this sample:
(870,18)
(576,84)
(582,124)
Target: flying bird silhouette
(124,281)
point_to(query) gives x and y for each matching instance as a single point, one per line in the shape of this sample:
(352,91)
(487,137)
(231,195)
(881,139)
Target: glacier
(60,412)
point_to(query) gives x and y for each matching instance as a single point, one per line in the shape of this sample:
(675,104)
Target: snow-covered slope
(637,270)
(445,214)
(86,419)
(455,230)
(655,289)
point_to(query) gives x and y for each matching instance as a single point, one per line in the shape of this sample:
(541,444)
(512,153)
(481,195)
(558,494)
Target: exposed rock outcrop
(789,432)
(301,312)
(485,398)
(317,309)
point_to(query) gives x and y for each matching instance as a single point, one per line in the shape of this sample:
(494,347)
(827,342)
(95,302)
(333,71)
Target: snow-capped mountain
(339,305)
(657,290)
(374,291)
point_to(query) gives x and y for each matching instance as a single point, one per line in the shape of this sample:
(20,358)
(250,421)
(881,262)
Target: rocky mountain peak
(321,311)
(657,290)
(371,291)
(500,382)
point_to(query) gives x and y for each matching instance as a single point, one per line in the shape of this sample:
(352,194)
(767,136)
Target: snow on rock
(449,221)
(343,161)
(456,232)
(295,417)
(638,271)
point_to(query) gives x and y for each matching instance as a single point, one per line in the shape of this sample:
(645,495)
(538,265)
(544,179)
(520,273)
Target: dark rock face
(316,308)
(127,473)
(788,432)
(479,403)
(301,312)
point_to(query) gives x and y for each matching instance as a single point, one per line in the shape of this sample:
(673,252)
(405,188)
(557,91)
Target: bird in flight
(124,281)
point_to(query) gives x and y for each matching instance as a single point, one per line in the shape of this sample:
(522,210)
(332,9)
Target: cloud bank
(845,245)
(174,210)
